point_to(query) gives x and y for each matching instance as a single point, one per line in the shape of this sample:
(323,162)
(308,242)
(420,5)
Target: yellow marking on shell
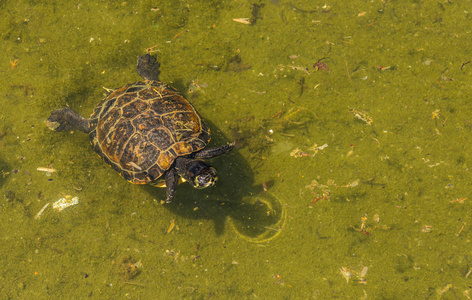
(183,148)
(155,90)
(116,92)
(164,160)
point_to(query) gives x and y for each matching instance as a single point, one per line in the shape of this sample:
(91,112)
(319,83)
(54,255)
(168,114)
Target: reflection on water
(261,218)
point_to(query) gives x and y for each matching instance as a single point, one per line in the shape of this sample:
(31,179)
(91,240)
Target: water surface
(350,180)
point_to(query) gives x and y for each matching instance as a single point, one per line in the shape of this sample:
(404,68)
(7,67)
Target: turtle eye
(206,178)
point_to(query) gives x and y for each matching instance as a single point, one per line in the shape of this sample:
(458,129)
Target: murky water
(350,179)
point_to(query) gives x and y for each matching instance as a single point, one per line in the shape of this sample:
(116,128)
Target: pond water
(349,179)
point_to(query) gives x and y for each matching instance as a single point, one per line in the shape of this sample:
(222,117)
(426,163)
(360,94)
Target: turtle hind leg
(148,67)
(66,119)
(214,152)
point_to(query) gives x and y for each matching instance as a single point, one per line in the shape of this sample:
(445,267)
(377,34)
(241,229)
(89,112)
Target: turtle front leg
(66,119)
(214,152)
(172,180)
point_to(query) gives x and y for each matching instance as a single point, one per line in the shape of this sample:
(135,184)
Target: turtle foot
(148,67)
(66,119)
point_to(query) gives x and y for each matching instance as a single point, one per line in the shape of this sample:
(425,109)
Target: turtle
(148,133)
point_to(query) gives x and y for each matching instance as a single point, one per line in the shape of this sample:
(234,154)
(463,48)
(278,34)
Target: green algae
(393,193)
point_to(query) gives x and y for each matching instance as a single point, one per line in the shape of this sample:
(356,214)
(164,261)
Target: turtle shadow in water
(235,199)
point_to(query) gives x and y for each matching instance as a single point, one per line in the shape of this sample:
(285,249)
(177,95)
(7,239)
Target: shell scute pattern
(113,141)
(134,108)
(147,121)
(124,99)
(161,138)
(142,127)
(169,105)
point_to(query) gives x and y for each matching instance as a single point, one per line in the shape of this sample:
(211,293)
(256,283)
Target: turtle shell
(141,128)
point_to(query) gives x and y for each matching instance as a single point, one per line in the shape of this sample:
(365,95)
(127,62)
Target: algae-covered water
(350,179)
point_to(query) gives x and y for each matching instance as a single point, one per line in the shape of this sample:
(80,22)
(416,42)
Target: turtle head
(205,178)
(198,173)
